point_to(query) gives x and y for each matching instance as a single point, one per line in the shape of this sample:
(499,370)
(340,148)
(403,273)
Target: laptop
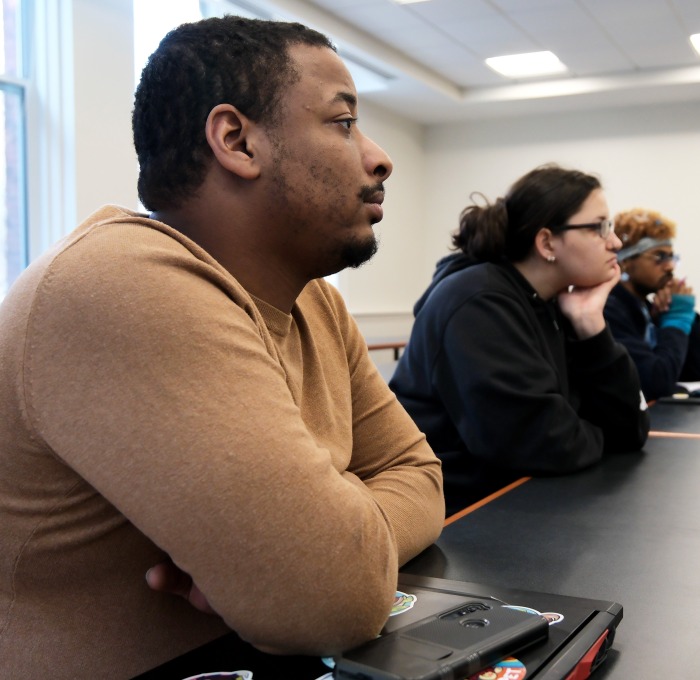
(581,631)
(580,634)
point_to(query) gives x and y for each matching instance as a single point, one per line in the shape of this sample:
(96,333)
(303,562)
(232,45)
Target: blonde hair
(633,225)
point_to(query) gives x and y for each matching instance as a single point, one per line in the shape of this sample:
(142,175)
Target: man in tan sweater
(184,385)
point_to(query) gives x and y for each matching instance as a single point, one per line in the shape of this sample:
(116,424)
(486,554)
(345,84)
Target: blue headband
(641,246)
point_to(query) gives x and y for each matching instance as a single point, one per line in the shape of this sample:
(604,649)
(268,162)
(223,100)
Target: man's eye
(348,123)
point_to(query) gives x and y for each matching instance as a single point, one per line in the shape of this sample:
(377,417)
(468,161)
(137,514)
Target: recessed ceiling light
(526,65)
(695,40)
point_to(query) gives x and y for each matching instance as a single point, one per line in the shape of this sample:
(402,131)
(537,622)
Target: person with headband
(510,369)
(650,311)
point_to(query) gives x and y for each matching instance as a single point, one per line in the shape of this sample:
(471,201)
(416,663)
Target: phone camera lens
(474,623)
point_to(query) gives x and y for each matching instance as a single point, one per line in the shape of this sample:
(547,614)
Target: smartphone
(452,645)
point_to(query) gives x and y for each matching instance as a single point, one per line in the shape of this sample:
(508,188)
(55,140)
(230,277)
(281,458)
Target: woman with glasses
(650,311)
(510,369)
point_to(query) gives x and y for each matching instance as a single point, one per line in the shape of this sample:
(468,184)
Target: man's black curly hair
(221,60)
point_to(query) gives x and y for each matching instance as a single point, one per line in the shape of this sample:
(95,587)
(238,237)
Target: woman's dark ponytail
(482,230)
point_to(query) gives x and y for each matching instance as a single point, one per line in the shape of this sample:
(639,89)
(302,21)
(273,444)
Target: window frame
(50,158)
(14,87)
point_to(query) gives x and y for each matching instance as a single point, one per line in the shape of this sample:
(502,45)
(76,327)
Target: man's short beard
(358,252)
(642,291)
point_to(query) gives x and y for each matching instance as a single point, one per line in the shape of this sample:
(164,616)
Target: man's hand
(662,300)
(663,296)
(680,287)
(166,577)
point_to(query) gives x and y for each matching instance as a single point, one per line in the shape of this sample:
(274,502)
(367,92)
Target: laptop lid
(581,632)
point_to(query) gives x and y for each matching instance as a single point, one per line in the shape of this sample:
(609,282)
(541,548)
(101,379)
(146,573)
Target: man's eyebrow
(346,97)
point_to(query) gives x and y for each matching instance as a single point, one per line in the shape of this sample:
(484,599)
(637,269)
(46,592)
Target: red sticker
(508,669)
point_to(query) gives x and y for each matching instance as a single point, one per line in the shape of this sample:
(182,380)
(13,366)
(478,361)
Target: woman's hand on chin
(583,306)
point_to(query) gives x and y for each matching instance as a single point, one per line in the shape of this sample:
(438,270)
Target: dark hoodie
(675,357)
(494,377)
(447,265)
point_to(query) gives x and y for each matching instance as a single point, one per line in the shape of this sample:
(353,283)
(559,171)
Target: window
(13,195)
(37,175)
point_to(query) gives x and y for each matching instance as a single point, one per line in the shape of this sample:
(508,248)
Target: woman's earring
(624,276)
(551,258)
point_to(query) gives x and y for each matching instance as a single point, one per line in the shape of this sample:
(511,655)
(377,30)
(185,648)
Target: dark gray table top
(678,417)
(627,530)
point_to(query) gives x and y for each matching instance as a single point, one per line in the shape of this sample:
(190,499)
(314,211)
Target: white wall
(105,161)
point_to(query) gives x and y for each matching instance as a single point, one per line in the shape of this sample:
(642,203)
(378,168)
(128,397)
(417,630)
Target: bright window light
(526,65)
(695,40)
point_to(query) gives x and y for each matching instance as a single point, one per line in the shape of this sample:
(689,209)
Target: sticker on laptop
(508,669)
(232,675)
(552,617)
(402,603)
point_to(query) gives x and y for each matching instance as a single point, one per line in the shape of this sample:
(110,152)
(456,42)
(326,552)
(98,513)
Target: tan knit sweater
(150,405)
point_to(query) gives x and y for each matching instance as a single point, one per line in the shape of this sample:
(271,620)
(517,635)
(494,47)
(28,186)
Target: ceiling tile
(596,39)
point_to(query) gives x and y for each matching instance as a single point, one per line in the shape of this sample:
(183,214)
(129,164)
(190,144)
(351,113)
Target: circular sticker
(508,669)
(553,617)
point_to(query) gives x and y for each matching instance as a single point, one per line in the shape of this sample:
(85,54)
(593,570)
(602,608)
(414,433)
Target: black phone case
(448,646)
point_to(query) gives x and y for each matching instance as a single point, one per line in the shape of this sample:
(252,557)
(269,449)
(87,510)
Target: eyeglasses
(604,228)
(662,257)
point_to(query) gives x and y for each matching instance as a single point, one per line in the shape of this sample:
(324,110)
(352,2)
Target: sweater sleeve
(504,393)
(152,380)
(659,367)
(390,455)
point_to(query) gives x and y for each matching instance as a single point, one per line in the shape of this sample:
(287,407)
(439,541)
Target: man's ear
(233,139)
(544,244)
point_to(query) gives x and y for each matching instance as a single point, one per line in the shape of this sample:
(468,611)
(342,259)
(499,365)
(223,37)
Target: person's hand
(663,296)
(680,287)
(166,577)
(662,300)
(583,307)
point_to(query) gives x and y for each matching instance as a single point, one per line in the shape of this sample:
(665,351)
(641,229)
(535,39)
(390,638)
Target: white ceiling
(618,52)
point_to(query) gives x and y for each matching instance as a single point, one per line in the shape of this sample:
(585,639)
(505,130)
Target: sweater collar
(277,322)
